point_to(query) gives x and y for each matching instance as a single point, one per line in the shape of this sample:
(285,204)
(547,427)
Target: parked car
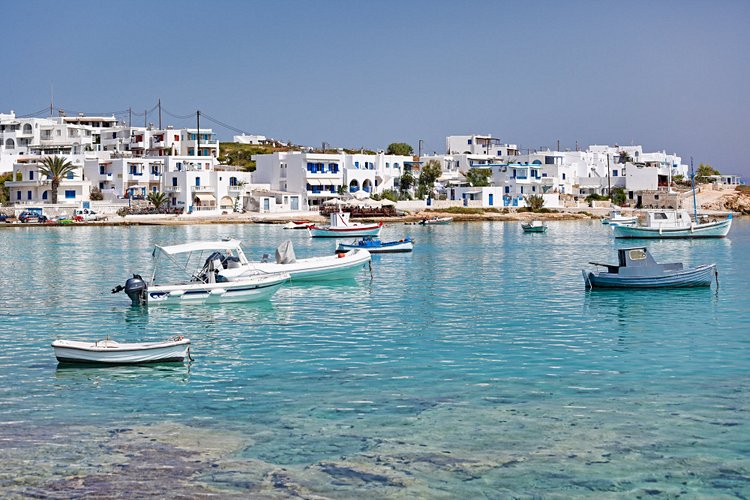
(86,214)
(31,217)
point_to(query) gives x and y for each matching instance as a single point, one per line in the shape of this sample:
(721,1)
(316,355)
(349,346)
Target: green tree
(55,168)
(96,194)
(704,171)
(624,157)
(429,174)
(157,199)
(400,148)
(534,201)
(618,196)
(406,182)
(478,177)
(4,191)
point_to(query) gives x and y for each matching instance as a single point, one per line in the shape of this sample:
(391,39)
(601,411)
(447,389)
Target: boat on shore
(206,284)
(636,268)
(615,217)
(374,245)
(675,224)
(436,220)
(343,266)
(109,352)
(341,227)
(535,226)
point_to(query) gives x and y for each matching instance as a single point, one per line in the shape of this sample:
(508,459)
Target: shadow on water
(175,372)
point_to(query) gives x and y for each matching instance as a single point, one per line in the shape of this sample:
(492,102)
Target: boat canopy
(200,246)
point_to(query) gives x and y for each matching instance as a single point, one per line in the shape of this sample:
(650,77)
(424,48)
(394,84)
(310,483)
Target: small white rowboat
(109,352)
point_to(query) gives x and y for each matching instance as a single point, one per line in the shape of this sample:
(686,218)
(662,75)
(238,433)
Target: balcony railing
(201,188)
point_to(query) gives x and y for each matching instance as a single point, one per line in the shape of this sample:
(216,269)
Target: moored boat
(109,352)
(341,227)
(374,245)
(343,266)
(636,268)
(615,217)
(297,224)
(675,224)
(535,226)
(436,220)
(206,284)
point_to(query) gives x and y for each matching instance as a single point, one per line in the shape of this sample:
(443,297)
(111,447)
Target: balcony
(173,189)
(201,189)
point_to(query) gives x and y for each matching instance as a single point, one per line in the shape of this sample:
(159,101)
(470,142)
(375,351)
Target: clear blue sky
(670,75)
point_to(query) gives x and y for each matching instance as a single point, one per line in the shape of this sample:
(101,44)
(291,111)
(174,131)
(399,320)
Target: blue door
(491,199)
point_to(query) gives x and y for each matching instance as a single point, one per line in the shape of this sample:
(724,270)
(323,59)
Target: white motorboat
(436,221)
(109,352)
(342,266)
(341,227)
(616,218)
(297,224)
(206,284)
(675,224)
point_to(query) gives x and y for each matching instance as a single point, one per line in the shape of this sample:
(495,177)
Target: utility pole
(609,180)
(130,117)
(420,148)
(198,135)
(51,99)
(145,119)
(159,103)
(558,144)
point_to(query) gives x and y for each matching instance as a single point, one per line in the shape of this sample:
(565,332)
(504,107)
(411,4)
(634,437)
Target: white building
(322,176)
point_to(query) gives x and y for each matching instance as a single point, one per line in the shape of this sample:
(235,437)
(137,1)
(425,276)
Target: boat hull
(700,276)
(110,353)
(527,228)
(390,247)
(436,221)
(344,232)
(316,268)
(241,290)
(710,230)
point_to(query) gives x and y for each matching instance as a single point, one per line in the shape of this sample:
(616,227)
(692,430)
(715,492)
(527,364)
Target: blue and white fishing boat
(374,245)
(638,269)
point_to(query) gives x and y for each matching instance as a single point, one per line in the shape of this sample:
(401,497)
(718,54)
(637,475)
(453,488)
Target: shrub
(96,194)
(535,202)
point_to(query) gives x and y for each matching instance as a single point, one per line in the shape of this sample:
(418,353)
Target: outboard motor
(135,288)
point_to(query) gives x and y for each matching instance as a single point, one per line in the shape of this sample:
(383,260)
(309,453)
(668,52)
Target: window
(174,181)
(563,176)
(18,195)
(31,175)
(28,195)
(233,181)
(101,186)
(638,254)
(614,173)
(45,195)
(468,142)
(197,181)
(356,164)
(70,194)
(70,175)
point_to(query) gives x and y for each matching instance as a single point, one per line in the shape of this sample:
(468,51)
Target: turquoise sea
(478,367)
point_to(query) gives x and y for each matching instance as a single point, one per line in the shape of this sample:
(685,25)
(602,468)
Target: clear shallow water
(477,365)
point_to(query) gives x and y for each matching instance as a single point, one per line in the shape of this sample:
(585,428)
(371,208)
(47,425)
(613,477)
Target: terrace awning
(206,198)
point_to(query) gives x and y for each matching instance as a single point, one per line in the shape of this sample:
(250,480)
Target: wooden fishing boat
(341,227)
(109,352)
(374,245)
(636,268)
(535,226)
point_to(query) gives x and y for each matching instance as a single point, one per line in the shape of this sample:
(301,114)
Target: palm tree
(157,199)
(55,168)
